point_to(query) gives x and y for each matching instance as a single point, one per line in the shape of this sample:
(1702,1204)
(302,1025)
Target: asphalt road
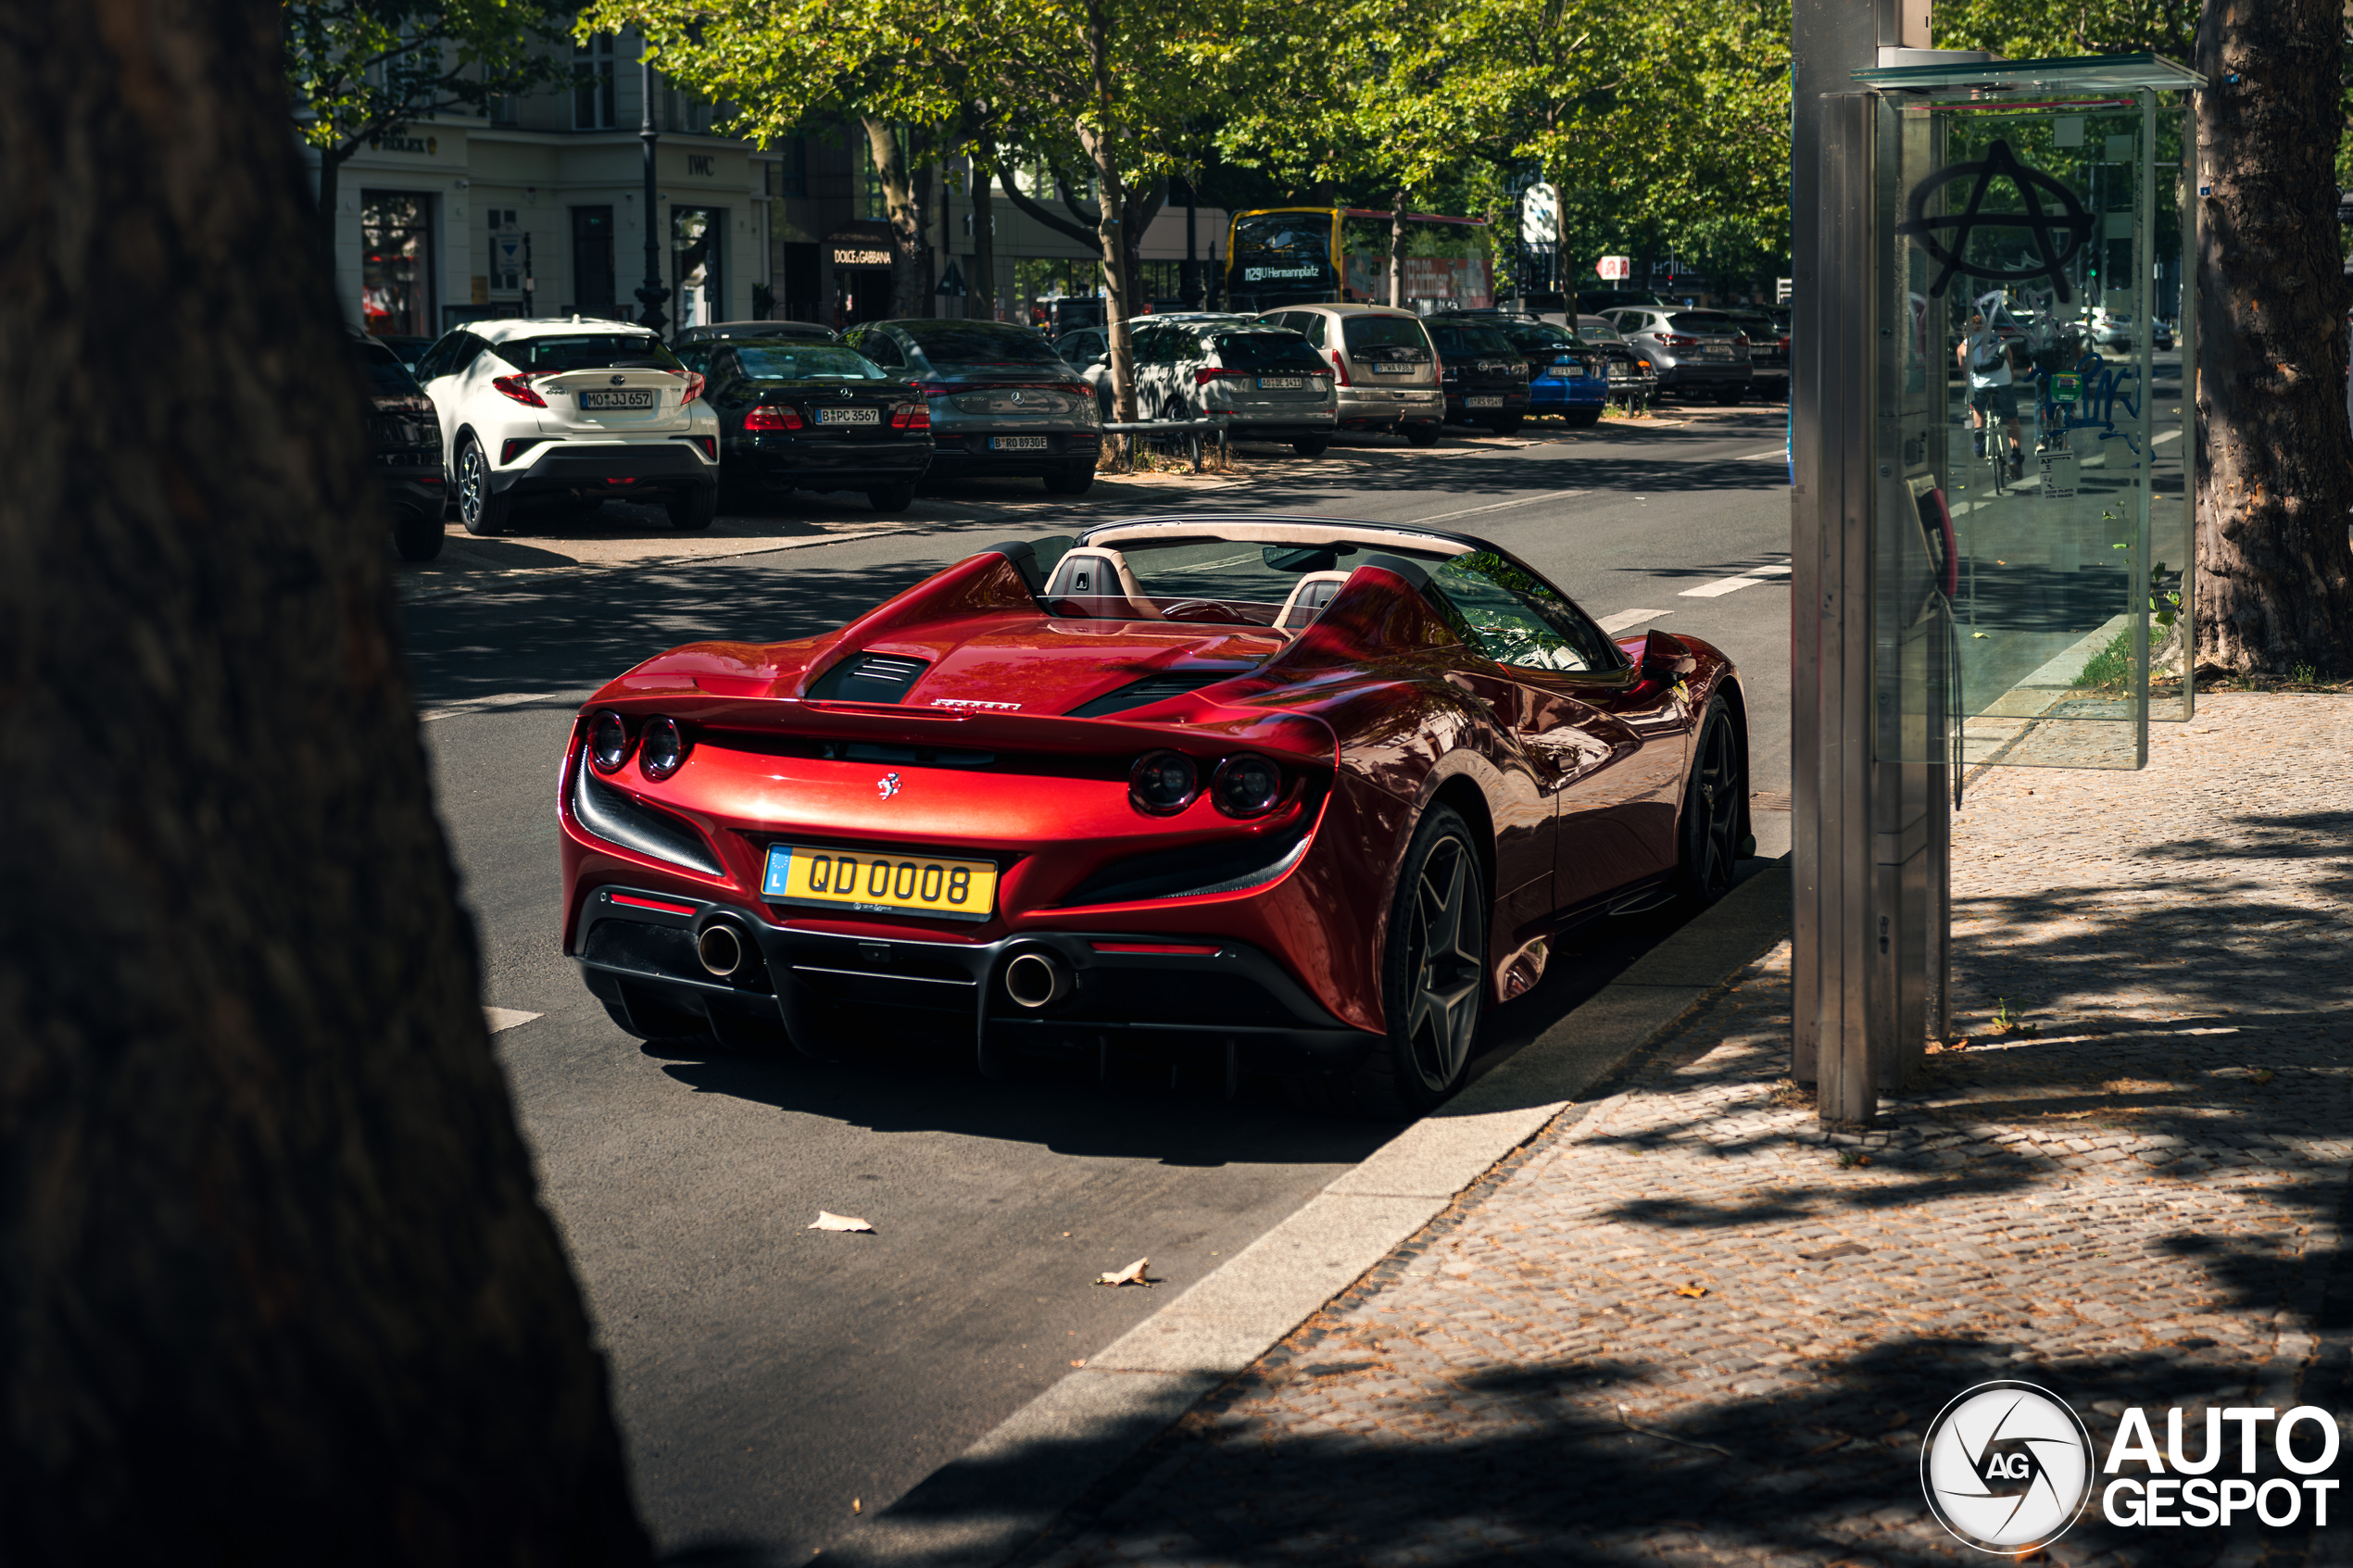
(770,1377)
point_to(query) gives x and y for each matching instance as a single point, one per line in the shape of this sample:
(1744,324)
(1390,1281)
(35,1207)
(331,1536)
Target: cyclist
(1993,394)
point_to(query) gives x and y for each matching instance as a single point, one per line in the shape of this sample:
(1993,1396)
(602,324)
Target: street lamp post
(650,291)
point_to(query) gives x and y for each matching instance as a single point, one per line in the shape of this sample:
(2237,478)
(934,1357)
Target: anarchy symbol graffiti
(1946,238)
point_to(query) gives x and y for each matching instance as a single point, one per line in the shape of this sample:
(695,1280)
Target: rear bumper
(1585,391)
(1384,408)
(418,490)
(1156,1004)
(969,456)
(825,465)
(581,465)
(1699,375)
(1459,411)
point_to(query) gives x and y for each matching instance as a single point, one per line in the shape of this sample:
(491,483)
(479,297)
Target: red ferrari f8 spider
(1298,795)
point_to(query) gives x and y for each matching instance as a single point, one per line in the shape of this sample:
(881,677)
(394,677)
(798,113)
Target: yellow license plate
(899,885)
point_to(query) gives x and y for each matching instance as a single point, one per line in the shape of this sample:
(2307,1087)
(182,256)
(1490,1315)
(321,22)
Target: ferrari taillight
(1246,787)
(772,416)
(608,742)
(519,388)
(661,749)
(1164,783)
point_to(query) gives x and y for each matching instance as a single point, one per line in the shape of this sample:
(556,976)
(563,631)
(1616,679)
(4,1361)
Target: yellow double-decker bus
(1278,256)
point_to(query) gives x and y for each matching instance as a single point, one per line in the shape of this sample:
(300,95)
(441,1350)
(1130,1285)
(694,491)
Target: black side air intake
(1152,689)
(612,815)
(869,677)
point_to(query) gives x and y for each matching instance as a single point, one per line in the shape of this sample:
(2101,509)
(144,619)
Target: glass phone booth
(2036,247)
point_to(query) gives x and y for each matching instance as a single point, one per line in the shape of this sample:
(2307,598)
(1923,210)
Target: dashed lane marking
(1497,507)
(502,1018)
(1723,586)
(1625,618)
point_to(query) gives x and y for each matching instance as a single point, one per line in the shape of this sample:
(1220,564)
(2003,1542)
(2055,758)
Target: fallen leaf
(1078,1363)
(1695,1290)
(827,1222)
(1132,1274)
(854,1507)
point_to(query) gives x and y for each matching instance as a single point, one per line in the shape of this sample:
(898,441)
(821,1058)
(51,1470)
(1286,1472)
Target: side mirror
(1667,658)
(1103,360)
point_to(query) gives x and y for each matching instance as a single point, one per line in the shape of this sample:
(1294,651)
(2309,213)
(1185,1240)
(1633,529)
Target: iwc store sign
(2008,1468)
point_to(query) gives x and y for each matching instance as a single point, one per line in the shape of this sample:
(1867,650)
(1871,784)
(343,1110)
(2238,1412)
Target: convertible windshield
(1234,582)
(806,363)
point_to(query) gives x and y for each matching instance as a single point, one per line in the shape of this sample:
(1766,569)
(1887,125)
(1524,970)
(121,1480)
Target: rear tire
(1581,419)
(1074,479)
(481,509)
(1433,982)
(1715,810)
(891,497)
(1420,434)
(416,535)
(1728,398)
(1509,425)
(1311,445)
(695,509)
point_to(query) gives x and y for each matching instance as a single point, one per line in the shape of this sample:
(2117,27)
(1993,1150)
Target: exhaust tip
(1035,980)
(719,949)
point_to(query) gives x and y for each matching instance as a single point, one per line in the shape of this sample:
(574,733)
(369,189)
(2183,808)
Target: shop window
(396,263)
(698,237)
(592,83)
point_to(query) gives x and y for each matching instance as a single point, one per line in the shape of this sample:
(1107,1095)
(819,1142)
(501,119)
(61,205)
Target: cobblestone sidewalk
(1682,1328)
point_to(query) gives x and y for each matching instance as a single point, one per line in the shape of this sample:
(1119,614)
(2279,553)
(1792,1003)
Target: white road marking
(1625,618)
(484,704)
(2162,437)
(1723,586)
(1777,452)
(501,1018)
(1497,507)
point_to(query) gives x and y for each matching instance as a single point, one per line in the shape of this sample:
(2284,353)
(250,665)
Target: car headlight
(662,750)
(608,742)
(1164,783)
(1246,787)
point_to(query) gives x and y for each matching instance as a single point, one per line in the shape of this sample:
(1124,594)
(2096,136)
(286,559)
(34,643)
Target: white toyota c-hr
(572,412)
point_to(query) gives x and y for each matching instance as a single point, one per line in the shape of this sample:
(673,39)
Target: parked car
(716,331)
(1565,374)
(550,413)
(1632,378)
(1698,353)
(1084,346)
(1267,381)
(795,414)
(1278,795)
(1003,402)
(2161,335)
(404,449)
(1484,377)
(1385,369)
(2112,330)
(1768,339)
(408,350)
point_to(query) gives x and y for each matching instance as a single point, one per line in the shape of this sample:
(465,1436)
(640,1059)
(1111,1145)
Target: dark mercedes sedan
(404,449)
(800,415)
(1003,402)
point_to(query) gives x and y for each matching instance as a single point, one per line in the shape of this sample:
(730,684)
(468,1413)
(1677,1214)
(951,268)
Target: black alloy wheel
(891,497)
(1433,981)
(1715,809)
(481,509)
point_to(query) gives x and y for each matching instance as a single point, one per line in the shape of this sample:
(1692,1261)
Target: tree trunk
(909,291)
(1396,251)
(1110,206)
(2275,459)
(984,278)
(277,1283)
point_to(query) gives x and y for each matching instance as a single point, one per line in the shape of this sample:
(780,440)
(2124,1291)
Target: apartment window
(592,83)
(592,260)
(505,111)
(789,176)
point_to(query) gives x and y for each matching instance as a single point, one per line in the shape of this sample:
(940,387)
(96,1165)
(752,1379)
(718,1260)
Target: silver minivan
(1267,383)
(1384,364)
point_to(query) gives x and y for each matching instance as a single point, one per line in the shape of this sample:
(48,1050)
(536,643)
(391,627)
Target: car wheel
(1433,980)
(1075,479)
(694,508)
(481,509)
(1579,418)
(1508,425)
(1311,445)
(891,497)
(1420,434)
(1728,398)
(417,535)
(1715,806)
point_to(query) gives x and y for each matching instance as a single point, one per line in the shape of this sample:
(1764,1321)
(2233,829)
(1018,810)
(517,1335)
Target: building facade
(538,208)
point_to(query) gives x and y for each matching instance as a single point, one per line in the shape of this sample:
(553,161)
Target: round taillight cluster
(608,742)
(660,746)
(1165,782)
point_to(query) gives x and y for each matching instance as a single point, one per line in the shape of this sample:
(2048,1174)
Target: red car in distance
(1296,796)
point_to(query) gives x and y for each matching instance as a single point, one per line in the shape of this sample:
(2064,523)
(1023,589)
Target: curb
(990,1501)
